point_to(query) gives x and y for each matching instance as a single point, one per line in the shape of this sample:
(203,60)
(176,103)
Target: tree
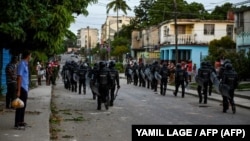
(220,12)
(153,12)
(117,5)
(37,24)
(119,46)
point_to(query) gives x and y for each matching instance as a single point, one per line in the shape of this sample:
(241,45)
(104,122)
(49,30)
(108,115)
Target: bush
(119,67)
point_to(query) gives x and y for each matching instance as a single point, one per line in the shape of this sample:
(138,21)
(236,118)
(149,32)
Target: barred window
(208,29)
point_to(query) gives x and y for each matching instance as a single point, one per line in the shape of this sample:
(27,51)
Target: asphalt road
(134,105)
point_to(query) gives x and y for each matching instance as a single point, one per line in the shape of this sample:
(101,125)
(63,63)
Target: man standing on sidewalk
(22,87)
(11,81)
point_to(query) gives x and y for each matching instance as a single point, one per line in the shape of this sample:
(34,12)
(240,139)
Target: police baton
(116,93)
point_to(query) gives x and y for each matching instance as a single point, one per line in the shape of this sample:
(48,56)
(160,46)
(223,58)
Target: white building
(87,37)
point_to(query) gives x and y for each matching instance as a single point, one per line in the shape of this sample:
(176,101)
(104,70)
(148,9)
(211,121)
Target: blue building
(195,53)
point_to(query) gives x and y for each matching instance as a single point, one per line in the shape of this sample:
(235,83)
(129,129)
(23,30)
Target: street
(79,119)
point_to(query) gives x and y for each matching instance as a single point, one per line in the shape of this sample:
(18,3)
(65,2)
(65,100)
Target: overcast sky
(97,12)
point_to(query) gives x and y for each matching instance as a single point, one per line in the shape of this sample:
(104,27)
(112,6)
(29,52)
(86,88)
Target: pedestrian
(39,73)
(194,69)
(180,79)
(22,87)
(11,76)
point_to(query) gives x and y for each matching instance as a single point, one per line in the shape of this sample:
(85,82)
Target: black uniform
(210,84)
(204,76)
(91,75)
(128,73)
(135,74)
(82,77)
(103,79)
(164,72)
(230,79)
(180,79)
(115,81)
(142,75)
(156,69)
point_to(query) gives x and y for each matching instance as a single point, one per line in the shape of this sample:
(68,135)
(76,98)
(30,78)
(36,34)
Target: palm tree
(117,5)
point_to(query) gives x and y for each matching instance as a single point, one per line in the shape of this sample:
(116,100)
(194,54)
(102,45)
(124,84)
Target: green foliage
(117,5)
(225,48)
(153,12)
(120,46)
(37,24)
(119,67)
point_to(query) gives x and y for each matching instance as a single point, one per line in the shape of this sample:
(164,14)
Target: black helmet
(178,65)
(229,66)
(111,64)
(203,64)
(226,61)
(102,64)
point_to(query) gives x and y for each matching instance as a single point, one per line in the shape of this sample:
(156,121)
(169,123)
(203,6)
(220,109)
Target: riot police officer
(210,84)
(103,79)
(230,79)
(180,79)
(91,75)
(135,73)
(155,71)
(165,73)
(82,77)
(115,81)
(142,75)
(203,81)
(128,73)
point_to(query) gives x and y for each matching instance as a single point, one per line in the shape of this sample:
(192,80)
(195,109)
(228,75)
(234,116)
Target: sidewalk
(37,116)
(242,98)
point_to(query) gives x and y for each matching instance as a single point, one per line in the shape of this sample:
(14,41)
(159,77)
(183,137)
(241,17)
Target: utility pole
(88,45)
(176,32)
(109,43)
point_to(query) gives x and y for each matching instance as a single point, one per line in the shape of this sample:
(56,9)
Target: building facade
(193,37)
(242,29)
(87,37)
(109,28)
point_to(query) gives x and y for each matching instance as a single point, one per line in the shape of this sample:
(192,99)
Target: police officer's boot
(233,108)
(99,102)
(84,91)
(225,107)
(164,91)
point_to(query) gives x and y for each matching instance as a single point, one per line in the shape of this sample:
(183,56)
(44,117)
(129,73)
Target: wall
(4,60)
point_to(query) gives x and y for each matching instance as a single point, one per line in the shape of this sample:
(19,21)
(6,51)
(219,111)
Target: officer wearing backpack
(115,81)
(204,77)
(231,80)
(82,77)
(181,77)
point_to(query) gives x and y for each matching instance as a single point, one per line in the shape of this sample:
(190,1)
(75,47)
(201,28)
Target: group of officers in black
(150,75)
(103,79)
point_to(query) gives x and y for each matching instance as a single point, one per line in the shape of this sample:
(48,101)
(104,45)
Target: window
(166,31)
(230,31)
(208,29)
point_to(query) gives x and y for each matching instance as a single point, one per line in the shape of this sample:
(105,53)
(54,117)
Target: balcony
(182,39)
